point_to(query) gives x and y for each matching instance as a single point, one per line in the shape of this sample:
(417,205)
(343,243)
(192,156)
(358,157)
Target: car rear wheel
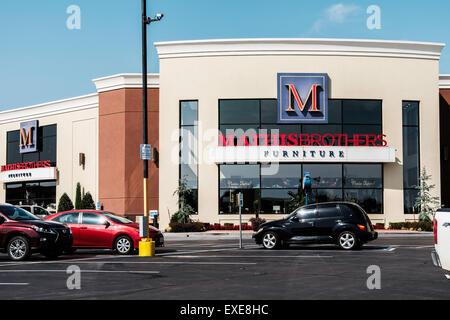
(270,240)
(123,245)
(19,248)
(347,240)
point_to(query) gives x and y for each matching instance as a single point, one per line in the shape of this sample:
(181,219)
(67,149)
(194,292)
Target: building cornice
(50,109)
(328,47)
(125,81)
(444,81)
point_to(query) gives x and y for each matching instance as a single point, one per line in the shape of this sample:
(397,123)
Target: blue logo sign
(302,98)
(28,136)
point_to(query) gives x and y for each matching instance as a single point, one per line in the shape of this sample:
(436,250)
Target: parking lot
(207,269)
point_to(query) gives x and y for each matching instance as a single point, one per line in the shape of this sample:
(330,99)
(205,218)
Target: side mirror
(107,224)
(295,219)
(2,220)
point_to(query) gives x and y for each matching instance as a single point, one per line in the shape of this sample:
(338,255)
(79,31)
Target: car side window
(307,212)
(27,209)
(39,211)
(92,218)
(68,218)
(328,211)
(346,210)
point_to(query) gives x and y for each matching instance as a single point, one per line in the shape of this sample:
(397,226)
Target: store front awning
(39,174)
(302,154)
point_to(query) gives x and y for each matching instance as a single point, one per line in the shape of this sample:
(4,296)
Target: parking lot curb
(248,235)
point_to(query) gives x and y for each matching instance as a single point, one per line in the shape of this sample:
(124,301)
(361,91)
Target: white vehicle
(36,210)
(441,255)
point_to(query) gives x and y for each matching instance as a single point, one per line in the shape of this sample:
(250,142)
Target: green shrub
(78,197)
(256,223)
(187,227)
(87,202)
(65,204)
(422,225)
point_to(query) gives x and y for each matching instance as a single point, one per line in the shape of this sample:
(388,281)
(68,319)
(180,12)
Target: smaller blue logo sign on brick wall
(303,98)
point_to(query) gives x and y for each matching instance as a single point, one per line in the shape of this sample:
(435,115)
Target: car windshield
(117,219)
(17,214)
(293,213)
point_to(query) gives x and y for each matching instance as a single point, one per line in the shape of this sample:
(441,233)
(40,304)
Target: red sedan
(102,229)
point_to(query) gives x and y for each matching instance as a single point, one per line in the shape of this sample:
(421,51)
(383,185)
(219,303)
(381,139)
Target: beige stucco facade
(238,69)
(77,132)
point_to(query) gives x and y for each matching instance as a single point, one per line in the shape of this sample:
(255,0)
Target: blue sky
(42,60)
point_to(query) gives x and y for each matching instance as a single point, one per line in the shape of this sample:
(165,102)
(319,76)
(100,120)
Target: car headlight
(41,230)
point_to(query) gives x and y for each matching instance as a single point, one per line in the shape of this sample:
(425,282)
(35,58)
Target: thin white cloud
(340,12)
(336,14)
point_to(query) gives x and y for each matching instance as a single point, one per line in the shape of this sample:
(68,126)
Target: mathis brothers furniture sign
(302,98)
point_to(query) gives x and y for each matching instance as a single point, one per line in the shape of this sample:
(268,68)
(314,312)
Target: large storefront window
(41,193)
(268,189)
(46,147)
(189,149)
(411,158)
(249,117)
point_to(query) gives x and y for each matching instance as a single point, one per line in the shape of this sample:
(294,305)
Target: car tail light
(363,228)
(435,227)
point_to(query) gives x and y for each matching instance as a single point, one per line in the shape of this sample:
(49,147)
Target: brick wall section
(120,135)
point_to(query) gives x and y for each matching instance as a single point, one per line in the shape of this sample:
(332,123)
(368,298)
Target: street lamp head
(159,16)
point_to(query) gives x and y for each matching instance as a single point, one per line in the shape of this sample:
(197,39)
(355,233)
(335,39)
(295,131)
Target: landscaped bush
(187,227)
(413,226)
(200,227)
(256,223)
(379,226)
(87,202)
(65,204)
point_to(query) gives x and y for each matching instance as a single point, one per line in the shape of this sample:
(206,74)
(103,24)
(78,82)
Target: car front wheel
(123,245)
(19,248)
(347,240)
(270,240)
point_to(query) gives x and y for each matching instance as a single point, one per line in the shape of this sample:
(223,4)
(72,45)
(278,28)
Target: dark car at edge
(345,224)
(22,233)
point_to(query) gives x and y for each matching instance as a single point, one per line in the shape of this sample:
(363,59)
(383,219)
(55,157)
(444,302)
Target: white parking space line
(9,264)
(156,262)
(14,284)
(177,262)
(195,251)
(262,256)
(82,271)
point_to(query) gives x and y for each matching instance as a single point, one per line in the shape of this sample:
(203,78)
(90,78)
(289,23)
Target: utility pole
(148,246)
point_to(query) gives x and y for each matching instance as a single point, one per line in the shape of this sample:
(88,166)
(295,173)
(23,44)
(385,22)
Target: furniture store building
(248,116)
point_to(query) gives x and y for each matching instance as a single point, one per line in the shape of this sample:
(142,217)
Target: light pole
(147,245)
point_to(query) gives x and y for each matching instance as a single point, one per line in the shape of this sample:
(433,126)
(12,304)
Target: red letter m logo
(293,95)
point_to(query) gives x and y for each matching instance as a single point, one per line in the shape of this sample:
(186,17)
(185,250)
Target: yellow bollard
(146,248)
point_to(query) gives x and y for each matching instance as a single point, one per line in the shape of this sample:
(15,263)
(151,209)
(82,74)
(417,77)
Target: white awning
(28,175)
(301,154)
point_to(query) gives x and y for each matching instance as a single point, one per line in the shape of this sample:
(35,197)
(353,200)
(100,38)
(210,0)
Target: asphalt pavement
(214,268)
